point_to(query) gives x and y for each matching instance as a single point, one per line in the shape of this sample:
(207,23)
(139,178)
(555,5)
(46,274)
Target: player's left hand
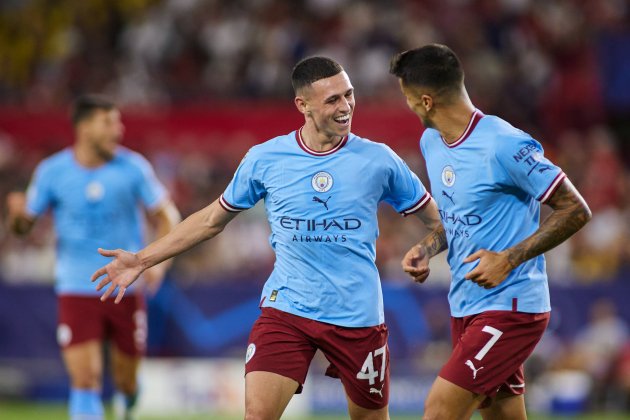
(416,264)
(492,269)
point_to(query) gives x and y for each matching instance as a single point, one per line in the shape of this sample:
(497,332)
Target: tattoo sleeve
(435,242)
(570,214)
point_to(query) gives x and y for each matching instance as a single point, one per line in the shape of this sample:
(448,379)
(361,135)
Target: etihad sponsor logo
(312,225)
(460,219)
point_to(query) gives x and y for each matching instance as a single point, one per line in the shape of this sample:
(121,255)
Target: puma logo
(472,367)
(377,391)
(450,197)
(319,200)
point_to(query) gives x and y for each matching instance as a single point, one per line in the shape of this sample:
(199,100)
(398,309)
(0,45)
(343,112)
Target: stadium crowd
(557,69)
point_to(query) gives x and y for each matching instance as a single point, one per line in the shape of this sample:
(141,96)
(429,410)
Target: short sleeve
(39,194)
(152,192)
(404,190)
(245,189)
(524,161)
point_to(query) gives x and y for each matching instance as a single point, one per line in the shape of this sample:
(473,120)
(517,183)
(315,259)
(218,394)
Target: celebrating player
(94,189)
(489,179)
(321,186)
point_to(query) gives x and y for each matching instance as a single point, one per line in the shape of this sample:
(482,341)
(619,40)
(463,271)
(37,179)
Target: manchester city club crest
(448,176)
(94,191)
(322,182)
(251,349)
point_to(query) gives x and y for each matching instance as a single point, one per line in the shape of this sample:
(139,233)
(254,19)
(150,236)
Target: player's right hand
(416,264)
(120,273)
(16,202)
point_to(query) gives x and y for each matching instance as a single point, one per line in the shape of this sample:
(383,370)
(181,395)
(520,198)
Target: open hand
(120,273)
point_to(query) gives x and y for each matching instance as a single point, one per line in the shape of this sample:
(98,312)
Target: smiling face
(328,105)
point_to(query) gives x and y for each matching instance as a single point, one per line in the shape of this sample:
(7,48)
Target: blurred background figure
(198,81)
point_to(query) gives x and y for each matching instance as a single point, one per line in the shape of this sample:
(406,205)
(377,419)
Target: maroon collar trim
(474,119)
(302,144)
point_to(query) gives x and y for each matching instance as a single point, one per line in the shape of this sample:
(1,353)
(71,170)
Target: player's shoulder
(58,160)
(130,158)
(368,146)
(278,144)
(501,130)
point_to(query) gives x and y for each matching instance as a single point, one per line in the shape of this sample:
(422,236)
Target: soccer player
(321,186)
(488,179)
(96,191)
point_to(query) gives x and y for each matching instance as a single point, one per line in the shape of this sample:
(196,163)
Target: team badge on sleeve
(448,176)
(322,181)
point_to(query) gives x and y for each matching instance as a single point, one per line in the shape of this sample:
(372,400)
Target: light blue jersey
(92,208)
(322,209)
(488,186)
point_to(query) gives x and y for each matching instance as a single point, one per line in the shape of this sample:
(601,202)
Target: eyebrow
(351,90)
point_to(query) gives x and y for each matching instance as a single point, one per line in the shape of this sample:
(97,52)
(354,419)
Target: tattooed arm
(570,213)
(416,261)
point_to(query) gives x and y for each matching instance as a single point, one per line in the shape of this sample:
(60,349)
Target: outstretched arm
(126,266)
(18,221)
(163,220)
(570,213)
(416,261)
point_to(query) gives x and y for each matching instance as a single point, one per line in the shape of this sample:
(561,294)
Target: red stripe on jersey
(300,141)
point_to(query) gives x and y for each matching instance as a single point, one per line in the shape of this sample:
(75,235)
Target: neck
(317,140)
(86,156)
(452,120)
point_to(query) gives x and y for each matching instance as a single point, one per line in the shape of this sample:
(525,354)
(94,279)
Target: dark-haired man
(489,179)
(96,191)
(321,186)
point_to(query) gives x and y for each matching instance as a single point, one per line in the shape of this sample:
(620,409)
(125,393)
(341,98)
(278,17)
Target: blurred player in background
(322,186)
(97,191)
(489,179)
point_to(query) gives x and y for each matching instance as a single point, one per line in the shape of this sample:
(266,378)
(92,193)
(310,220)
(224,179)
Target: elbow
(584,214)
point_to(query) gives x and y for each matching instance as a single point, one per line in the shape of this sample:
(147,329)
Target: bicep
(566,198)
(430,215)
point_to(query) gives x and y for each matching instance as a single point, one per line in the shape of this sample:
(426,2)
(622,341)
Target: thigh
(360,358)
(124,370)
(80,319)
(267,394)
(126,324)
(278,343)
(84,363)
(489,350)
(505,406)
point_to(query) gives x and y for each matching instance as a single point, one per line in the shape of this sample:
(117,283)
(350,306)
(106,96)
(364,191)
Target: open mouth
(343,119)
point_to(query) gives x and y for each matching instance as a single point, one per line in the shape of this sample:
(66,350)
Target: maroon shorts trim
(85,318)
(285,344)
(489,350)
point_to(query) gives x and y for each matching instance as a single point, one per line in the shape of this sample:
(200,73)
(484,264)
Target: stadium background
(200,81)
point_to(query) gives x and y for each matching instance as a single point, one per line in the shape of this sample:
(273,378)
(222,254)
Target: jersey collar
(474,119)
(302,144)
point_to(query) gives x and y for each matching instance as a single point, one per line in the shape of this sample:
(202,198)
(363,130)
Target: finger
(411,269)
(108,252)
(103,283)
(108,292)
(121,293)
(474,256)
(473,275)
(98,273)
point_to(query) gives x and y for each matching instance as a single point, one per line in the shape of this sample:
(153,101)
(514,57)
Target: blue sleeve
(524,160)
(150,189)
(39,195)
(246,188)
(403,191)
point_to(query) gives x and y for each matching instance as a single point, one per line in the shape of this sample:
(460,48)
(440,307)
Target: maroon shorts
(84,318)
(285,344)
(489,350)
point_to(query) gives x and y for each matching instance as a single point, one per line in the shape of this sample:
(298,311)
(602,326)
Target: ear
(301,104)
(427,102)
